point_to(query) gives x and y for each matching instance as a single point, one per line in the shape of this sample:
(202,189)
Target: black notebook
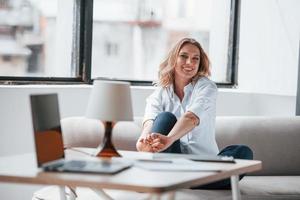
(194,157)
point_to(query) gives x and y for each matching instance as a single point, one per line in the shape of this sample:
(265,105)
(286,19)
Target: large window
(79,40)
(39,40)
(131,37)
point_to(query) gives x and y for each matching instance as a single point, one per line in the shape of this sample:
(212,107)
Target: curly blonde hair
(166,68)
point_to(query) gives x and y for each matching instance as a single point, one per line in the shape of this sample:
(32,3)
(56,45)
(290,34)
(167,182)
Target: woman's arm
(143,143)
(153,108)
(184,125)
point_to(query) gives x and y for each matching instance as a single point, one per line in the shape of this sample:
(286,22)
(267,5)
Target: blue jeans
(164,123)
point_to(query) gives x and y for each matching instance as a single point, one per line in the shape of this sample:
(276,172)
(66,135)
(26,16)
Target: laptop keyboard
(107,167)
(75,164)
(79,164)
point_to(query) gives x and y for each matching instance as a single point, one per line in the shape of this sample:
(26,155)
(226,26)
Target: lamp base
(108,152)
(107,148)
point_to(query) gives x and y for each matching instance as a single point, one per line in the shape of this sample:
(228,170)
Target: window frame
(233,45)
(83,43)
(232,54)
(82,22)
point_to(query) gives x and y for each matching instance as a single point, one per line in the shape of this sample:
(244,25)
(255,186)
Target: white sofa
(274,141)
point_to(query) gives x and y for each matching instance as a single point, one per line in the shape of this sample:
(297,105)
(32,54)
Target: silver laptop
(49,141)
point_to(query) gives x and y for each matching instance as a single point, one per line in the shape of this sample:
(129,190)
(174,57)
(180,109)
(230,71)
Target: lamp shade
(110,101)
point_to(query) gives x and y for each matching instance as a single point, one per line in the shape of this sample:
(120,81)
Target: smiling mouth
(187,69)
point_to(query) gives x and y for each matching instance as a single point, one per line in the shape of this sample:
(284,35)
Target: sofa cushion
(280,186)
(53,193)
(253,187)
(274,141)
(81,132)
(125,135)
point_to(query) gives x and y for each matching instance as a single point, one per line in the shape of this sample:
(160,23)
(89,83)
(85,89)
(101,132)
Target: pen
(159,161)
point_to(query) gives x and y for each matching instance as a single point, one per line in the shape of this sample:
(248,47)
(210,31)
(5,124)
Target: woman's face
(187,62)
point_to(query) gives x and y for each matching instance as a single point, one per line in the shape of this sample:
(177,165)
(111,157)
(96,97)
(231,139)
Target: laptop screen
(47,131)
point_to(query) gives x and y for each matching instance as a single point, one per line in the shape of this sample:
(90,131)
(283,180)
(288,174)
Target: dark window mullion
(233,43)
(86,36)
(8,80)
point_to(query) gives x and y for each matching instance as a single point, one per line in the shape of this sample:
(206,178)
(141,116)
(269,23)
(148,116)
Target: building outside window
(37,37)
(145,30)
(127,39)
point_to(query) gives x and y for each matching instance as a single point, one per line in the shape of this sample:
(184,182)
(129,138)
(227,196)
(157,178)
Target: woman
(180,115)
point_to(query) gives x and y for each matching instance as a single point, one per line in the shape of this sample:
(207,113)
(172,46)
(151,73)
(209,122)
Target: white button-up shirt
(200,99)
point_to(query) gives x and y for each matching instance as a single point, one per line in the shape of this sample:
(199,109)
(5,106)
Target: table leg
(236,194)
(62,193)
(156,196)
(72,193)
(102,194)
(170,196)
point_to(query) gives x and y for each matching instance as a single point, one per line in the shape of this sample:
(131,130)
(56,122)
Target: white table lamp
(110,101)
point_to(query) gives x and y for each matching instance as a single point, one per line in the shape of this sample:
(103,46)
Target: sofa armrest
(125,135)
(81,132)
(274,140)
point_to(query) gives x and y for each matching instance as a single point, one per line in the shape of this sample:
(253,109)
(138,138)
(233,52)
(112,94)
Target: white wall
(269,43)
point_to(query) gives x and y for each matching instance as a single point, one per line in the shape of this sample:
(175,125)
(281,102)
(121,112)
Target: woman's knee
(164,122)
(166,118)
(166,115)
(238,151)
(245,152)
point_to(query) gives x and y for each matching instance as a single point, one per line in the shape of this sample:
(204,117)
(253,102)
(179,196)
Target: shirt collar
(187,89)
(171,90)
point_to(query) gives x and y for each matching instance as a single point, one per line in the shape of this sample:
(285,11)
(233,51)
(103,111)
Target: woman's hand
(160,142)
(154,142)
(144,145)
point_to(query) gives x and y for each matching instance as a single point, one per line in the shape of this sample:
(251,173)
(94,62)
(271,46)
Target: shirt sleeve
(154,105)
(204,100)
